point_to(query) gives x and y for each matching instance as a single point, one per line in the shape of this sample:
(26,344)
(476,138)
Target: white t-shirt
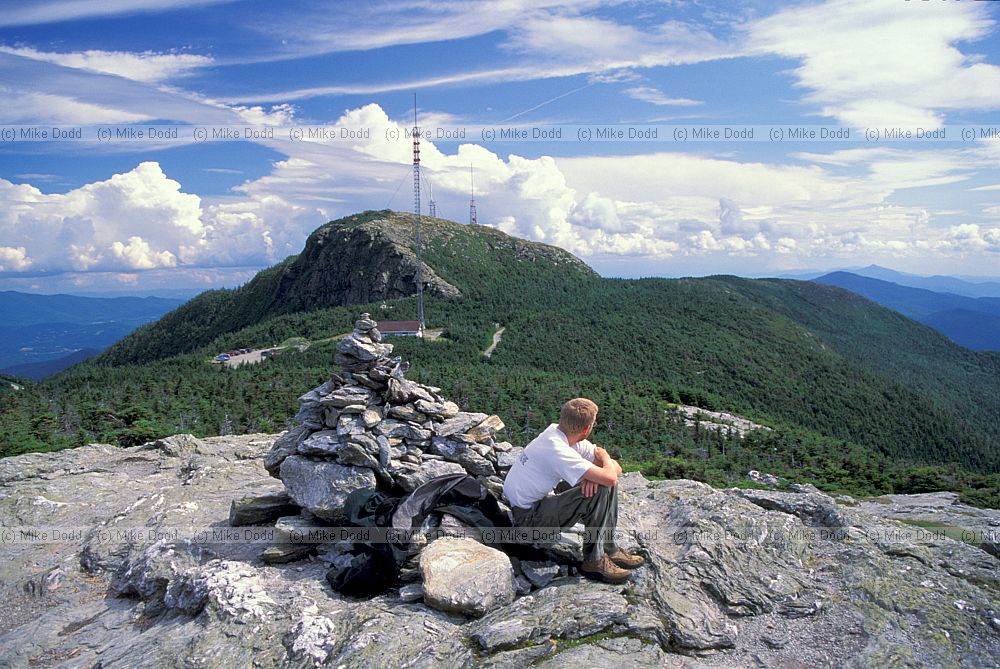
(547,460)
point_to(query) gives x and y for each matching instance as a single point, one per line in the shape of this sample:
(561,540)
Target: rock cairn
(370,427)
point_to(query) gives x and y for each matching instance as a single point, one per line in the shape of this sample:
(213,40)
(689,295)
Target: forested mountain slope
(859,395)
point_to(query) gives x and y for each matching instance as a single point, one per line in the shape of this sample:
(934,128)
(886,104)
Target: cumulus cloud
(971,238)
(282,114)
(13,259)
(137,254)
(142,220)
(731,219)
(654,206)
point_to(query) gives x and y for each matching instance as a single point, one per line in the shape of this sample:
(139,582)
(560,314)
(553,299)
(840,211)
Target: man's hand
(588,488)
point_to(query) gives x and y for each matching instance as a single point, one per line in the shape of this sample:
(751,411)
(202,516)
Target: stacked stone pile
(370,427)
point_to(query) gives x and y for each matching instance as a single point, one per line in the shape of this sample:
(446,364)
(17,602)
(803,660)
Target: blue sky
(89,216)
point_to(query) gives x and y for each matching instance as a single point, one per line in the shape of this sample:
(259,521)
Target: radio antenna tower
(416,212)
(432,209)
(472,201)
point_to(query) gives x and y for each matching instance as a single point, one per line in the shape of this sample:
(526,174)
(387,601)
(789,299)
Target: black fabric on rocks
(374,567)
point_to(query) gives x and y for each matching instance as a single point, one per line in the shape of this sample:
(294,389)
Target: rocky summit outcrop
(328,271)
(183,553)
(143,576)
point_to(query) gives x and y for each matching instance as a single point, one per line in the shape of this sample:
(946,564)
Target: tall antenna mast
(416,212)
(432,209)
(472,201)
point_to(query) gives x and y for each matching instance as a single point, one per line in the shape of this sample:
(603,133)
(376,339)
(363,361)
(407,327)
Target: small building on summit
(401,328)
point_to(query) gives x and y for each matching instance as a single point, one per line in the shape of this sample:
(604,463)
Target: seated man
(562,452)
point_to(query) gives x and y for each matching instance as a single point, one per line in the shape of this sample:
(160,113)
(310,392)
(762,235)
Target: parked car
(222,357)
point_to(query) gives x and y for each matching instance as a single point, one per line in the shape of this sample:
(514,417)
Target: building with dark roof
(401,328)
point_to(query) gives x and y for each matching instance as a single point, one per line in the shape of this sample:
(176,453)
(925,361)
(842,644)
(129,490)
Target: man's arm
(601,457)
(606,474)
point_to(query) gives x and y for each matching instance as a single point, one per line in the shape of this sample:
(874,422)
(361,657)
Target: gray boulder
(324,442)
(347,396)
(506,459)
(540,574)
(572,610)
(439,409)
(461,422)
(402,391)
(286,444)
(260,509)
(486,429)
(412,476)
(178,446)
(464,576)
(322,486)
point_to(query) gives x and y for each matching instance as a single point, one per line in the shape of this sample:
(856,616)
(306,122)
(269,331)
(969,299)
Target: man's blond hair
(577,415)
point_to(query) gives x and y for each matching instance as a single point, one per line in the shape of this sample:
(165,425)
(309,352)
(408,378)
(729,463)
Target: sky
(89,212)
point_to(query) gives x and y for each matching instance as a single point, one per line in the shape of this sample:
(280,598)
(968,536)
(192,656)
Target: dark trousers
(599,513)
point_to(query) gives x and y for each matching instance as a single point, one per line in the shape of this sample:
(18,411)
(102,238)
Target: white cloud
(658,97)
(34,108)
(282,114)
(875,64)
(137,254)
(146,66)
(971,238)
(547,40)
(655,206)
(32,12)
(37,91)
(567,37)
(13,259)
(600,45)
(141,220)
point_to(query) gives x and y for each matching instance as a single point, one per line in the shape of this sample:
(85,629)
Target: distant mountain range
(971,322)
(982,287)
(43,334)
(39,370)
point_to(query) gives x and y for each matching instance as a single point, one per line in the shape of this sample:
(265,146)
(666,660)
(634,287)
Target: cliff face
(346,262)
(735,578)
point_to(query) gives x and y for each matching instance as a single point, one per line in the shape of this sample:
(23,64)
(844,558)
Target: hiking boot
(626,560)
(604,570)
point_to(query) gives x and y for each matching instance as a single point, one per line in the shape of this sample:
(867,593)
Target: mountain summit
(364,258)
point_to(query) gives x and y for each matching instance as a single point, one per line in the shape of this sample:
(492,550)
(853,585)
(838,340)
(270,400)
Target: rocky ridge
(814,581)
(177,553)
